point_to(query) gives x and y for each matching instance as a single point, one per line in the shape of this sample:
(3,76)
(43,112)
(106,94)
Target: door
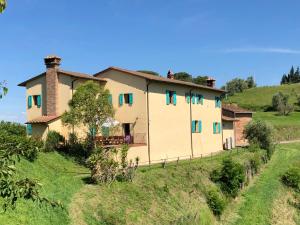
(127,133)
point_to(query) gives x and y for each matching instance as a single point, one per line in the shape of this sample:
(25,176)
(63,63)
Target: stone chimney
(52,64)
(170,75)
(211,82)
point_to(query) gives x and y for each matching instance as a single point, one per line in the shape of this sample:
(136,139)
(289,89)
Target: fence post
(177,161)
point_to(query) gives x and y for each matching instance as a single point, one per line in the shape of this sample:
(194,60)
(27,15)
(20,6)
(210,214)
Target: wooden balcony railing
(114,140)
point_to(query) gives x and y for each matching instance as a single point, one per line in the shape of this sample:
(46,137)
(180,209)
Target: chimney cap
(52,61)
(210,79)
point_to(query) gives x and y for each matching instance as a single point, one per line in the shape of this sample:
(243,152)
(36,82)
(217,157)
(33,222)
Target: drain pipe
(191,119)
(72,89)
(148,123)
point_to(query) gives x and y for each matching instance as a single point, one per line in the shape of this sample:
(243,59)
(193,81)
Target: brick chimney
(170,75)
(211,82)
(52,64)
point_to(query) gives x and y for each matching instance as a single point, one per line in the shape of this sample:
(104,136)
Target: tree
(149,72)
(236,85)
(201,80)
(3,89)
(90,106)
(250,82)
(184,76)
(292,77)
(280,102)
(2,5)
(284,79)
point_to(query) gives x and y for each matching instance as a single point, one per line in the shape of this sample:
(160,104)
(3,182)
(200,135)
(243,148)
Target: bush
(215,202)
(280,103)
(255,162)
(261,134)
(12,128)
(53,141)
(231,177)
(291,178)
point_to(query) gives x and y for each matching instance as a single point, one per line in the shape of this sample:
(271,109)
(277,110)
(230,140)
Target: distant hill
(260,98)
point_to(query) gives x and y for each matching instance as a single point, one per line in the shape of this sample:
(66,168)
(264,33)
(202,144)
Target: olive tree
(2,5)
(90,106)
(280,102)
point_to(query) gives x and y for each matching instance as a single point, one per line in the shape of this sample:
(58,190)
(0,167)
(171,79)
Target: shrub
(53,141)
(215,202)
(255,162)
(280,103)
(291,178)
(12,128)
(261,134)
(231,177)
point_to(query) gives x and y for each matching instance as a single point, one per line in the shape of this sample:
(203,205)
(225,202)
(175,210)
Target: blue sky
(224,39)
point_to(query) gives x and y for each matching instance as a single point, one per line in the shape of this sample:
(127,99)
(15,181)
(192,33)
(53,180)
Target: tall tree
(202,80)
(184,76)
(3,89)
(90,106)
(149,72)
(2,5)
(251,82)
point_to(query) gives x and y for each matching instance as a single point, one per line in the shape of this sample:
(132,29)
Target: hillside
(260,98)
(177,191)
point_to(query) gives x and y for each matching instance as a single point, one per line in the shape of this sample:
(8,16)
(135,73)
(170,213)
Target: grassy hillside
(174,195)
(61,178)
(260,98)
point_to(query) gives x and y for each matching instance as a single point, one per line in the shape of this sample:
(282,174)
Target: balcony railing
(114,140)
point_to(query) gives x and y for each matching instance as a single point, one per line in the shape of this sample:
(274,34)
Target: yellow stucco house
(165,118)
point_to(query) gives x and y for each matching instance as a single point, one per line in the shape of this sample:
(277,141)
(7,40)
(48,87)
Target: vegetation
(291,178)
(184,76)
(149,72)
(280,103)
(215,202)
(3,88)
(292,77)
(260,98)
(53,141)
(2,5)
(238,85)
(91,115)
(261,133)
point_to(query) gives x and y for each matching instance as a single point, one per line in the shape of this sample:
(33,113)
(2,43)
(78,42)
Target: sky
(223,39)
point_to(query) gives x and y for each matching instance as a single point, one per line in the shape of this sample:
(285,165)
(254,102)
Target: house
(164,118)
(240,117)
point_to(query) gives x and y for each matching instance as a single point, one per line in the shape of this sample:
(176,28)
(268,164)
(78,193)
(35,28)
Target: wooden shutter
(201,99)
(29,101)
(110,99)
(39,101)
(193,126)
(215,128)
(174,98)
(219,125)
(199,126)
(29,129)
(121,99)
(167,97)
(188,98)
(193,98)
(130,98)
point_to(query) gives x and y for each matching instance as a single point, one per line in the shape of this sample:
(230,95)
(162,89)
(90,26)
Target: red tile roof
(67,73)
(234,108)
(158,78)
(42,119)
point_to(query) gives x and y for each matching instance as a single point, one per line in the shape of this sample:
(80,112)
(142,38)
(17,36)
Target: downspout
(72,90)
(222,127)
(148,123)
(191,119)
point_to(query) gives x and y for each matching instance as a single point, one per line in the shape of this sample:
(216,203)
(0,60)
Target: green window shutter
(105,131)
(174,98)
(29,102)
(29,129)
(216,102)
(215,128)
(199,126)
(201,99)
(121,99)
(198,99)
(193,98)
(39,101)
(220,103)
(188,98)
(167,97)
(130,99)
(193,126)
(93,132)
(110,99)
(219,124)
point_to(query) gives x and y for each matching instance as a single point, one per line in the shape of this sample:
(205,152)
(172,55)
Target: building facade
(165,118)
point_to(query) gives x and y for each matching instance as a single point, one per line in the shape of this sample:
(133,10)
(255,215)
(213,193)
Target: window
(218,102)
(187,98)
(217,127)
(196,126)
(199,99)
(35,100)
(126,99)
(171,97)
(29,129)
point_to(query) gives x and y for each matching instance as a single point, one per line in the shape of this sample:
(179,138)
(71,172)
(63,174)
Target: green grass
(173,195)
(60,177)
(287,127)
(260,98)
(258,202)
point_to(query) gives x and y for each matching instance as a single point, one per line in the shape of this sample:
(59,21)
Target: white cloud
(261,50)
